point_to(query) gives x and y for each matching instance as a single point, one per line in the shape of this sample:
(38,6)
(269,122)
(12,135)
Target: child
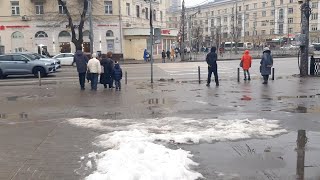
(117,75)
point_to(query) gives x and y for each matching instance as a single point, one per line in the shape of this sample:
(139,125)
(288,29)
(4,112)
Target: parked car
(65,58)
(34,56)
(289,47)
(23,64)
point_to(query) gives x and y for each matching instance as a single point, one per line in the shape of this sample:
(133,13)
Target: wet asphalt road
(37,143)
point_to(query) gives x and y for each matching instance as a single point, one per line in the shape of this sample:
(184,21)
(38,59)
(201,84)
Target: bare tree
(198,36)
(77,41)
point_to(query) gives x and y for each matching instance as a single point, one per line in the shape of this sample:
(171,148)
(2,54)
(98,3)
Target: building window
(264,4)
(263,23)
(41,34)
(109,33)
(272,12)
(290,20)
(247,33)
(161,16)
(218,11)
(281,14)
(273,3)
(314,16)
(138,11)
(290,30)
(64,34)
(314,27)
(108,7)
(225,19)
(255,15)
(201,22)
(264,13)
(212,13)
(61,9)
(280,28)
(271,22)
(147,13)
(247,7)
(128,8)
(255,5)
(290,11)
(271,31)
(263,32)
(17,35)
(212,22)
(154,15)
(314,4)
(39,8)
(291,1)
(239,8)
(15,9)
(226,11)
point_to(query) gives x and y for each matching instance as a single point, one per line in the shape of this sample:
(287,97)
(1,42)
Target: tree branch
(63,4)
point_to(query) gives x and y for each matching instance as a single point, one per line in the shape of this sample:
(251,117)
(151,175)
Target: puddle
(299,97)
(156,101)
(13,98)
(21,115)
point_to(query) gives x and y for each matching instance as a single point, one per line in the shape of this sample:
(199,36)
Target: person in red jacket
(246,61)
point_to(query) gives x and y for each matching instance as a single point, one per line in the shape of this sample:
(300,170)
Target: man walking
(94,68)
(212,66)
(163,54)
(81,61)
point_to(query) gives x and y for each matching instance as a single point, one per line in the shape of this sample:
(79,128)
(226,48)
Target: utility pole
(182,45)
(91,37)
(305,14)
(151,40)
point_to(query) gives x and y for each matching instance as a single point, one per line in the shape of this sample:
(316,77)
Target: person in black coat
(117,75)
(81,61)
(106,78)
(163,54)
(212,66)
(168,55)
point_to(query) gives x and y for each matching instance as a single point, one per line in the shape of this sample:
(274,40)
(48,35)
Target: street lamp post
(151,39)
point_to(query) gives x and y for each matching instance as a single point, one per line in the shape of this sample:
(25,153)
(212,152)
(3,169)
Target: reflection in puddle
(157,101)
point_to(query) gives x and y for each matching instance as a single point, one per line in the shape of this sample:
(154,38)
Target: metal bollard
(39,77)
(238,74)
(126,77)
(199,75)
(273,74)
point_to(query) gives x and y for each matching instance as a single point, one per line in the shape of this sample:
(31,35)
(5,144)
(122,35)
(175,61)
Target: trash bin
(314,66)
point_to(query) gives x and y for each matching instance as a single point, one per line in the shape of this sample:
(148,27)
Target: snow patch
(138,146)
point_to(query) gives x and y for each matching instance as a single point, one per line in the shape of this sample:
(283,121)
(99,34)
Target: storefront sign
(165,31)
(17,26)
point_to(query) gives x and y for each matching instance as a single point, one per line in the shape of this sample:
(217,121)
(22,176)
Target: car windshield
(30,56)
(37,56)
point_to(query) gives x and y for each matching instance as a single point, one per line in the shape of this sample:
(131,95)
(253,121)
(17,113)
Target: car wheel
(1,74)
(41,70)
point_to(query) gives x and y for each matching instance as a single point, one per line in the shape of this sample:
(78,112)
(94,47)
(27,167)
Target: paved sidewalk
(37,143)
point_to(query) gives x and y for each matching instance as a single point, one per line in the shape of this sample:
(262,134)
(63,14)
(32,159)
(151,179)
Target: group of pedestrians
(102,67)
(266,64)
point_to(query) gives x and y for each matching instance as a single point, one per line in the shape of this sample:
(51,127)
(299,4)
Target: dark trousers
(266,78)
(246,72)
(111,82)
(82,80)
(213,70)
(94,81)
(118,84)
(163,60)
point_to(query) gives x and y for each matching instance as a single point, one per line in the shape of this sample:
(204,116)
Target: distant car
(23,64)
(57,62)
(65,58)
(289,47)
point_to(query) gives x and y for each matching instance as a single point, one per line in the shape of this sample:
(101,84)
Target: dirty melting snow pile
(136,150)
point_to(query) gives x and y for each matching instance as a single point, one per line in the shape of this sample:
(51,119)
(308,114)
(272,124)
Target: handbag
(241,64)
(89,75)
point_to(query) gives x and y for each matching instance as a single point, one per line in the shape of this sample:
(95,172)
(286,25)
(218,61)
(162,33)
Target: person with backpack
(117,75)
(266,64)
(81,61)
(245,63)
(212,66)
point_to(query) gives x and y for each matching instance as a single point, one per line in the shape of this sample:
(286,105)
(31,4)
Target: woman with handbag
(245,63)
